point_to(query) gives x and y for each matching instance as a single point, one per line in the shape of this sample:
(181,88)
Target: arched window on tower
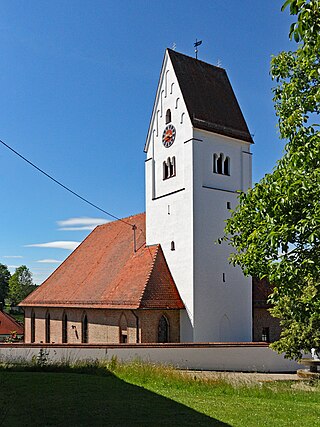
(84,328)
(226,168)
(215,160)
(168,116)
(165,171)
(163,330)
(33,327)
(64,328)
(169,168)
(47,337)
(172,167)
(220,163)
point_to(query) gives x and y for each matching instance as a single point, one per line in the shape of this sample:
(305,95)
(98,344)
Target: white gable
(168,96)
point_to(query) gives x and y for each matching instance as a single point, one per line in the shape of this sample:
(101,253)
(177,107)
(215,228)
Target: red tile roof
(105,272)
(8,325)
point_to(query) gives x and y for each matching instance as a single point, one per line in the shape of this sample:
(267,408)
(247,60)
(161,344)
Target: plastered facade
(190,210)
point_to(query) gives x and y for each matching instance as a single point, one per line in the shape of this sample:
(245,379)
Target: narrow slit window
(173,247)
(33,326)
(47,340)
(224,277)
(84,327)
(64,328)
(228,205)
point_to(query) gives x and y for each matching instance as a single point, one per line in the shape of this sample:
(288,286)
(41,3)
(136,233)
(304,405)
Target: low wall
(246,357)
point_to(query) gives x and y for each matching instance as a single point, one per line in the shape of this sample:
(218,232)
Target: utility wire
(63,186)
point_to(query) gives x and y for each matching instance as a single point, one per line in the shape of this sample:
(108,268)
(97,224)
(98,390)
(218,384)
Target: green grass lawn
(142,395)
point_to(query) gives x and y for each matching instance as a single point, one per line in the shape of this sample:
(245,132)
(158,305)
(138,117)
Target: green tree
(275,231)
(20,285)
(4,283)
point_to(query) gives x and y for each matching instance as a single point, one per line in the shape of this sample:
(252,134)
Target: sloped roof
(105,272)
(8,325)
(209,97)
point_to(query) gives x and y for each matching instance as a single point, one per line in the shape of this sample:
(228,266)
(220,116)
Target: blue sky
(77,84)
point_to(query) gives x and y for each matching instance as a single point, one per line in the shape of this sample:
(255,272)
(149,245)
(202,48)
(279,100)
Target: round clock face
(168,136)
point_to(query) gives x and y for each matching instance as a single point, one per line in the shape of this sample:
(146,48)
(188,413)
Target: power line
(64,186)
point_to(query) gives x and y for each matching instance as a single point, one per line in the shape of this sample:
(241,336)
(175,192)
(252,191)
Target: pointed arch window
(84,329)
(64,328)
(47,337)
(33,326)
(163,330)
(168,116)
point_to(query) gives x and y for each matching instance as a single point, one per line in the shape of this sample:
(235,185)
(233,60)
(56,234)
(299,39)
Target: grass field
(144,395)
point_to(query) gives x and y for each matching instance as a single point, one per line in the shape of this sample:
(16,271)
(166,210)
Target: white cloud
(12,256)
(58,245)
(80,223)
(49,261)
(13,266)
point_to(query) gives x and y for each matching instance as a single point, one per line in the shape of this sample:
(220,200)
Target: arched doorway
(163,329)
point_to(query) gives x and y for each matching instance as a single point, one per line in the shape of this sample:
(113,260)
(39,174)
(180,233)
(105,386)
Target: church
(160,276)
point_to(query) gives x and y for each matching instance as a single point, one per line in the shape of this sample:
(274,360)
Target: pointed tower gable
(168,96)
(209,97)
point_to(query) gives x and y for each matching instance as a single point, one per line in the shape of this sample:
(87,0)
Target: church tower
(198,158)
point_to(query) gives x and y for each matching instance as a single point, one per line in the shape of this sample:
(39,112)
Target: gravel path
(245,377)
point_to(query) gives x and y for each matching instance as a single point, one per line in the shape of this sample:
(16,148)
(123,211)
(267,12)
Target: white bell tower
(198,158)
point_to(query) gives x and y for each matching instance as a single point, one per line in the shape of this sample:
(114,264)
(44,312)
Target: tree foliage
(275,231)
(20,285)
(4,283)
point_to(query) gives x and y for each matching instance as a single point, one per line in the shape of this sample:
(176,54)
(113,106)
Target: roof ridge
(120,219)
(196,59)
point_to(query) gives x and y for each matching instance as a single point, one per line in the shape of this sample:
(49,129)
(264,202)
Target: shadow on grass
(59,397)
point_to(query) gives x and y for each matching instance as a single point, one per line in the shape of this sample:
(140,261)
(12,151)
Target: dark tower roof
(209,97)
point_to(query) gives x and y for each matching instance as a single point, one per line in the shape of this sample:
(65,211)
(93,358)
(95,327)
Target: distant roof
(8,324)
(105,272)
(209,97)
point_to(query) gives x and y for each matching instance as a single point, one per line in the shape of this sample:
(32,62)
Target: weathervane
(174,46)
(196,44)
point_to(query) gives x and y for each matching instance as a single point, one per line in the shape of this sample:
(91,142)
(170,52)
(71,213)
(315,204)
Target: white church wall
(215,357)
(223,309)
